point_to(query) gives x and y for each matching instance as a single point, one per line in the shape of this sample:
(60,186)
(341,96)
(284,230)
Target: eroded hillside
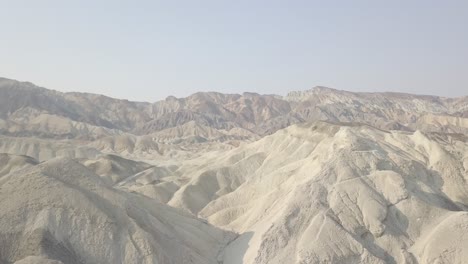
(321,176)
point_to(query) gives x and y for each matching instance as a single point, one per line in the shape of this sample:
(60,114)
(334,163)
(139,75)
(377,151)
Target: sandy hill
(61,212)
(335,193)
(113,168)
(196,133)
(10,163)
(45,149)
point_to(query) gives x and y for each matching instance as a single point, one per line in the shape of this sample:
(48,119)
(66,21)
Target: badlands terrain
(317,176)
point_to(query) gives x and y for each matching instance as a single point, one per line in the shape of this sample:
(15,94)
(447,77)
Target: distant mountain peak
(306,94)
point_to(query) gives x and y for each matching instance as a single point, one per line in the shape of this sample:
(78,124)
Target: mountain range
(28,110)
(317,176)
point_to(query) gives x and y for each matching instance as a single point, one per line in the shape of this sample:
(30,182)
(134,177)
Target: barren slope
(342,177)
(320,192)
(61,212)
(28,110)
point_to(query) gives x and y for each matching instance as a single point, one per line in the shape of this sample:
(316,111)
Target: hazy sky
(147,50)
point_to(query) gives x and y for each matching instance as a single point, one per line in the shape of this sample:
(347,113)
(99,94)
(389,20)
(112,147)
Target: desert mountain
(319,176)
(28,110)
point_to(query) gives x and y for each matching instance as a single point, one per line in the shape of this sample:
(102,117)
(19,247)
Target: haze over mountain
(317,176)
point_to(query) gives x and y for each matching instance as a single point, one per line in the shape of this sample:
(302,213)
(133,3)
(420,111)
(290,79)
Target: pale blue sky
(147,50)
